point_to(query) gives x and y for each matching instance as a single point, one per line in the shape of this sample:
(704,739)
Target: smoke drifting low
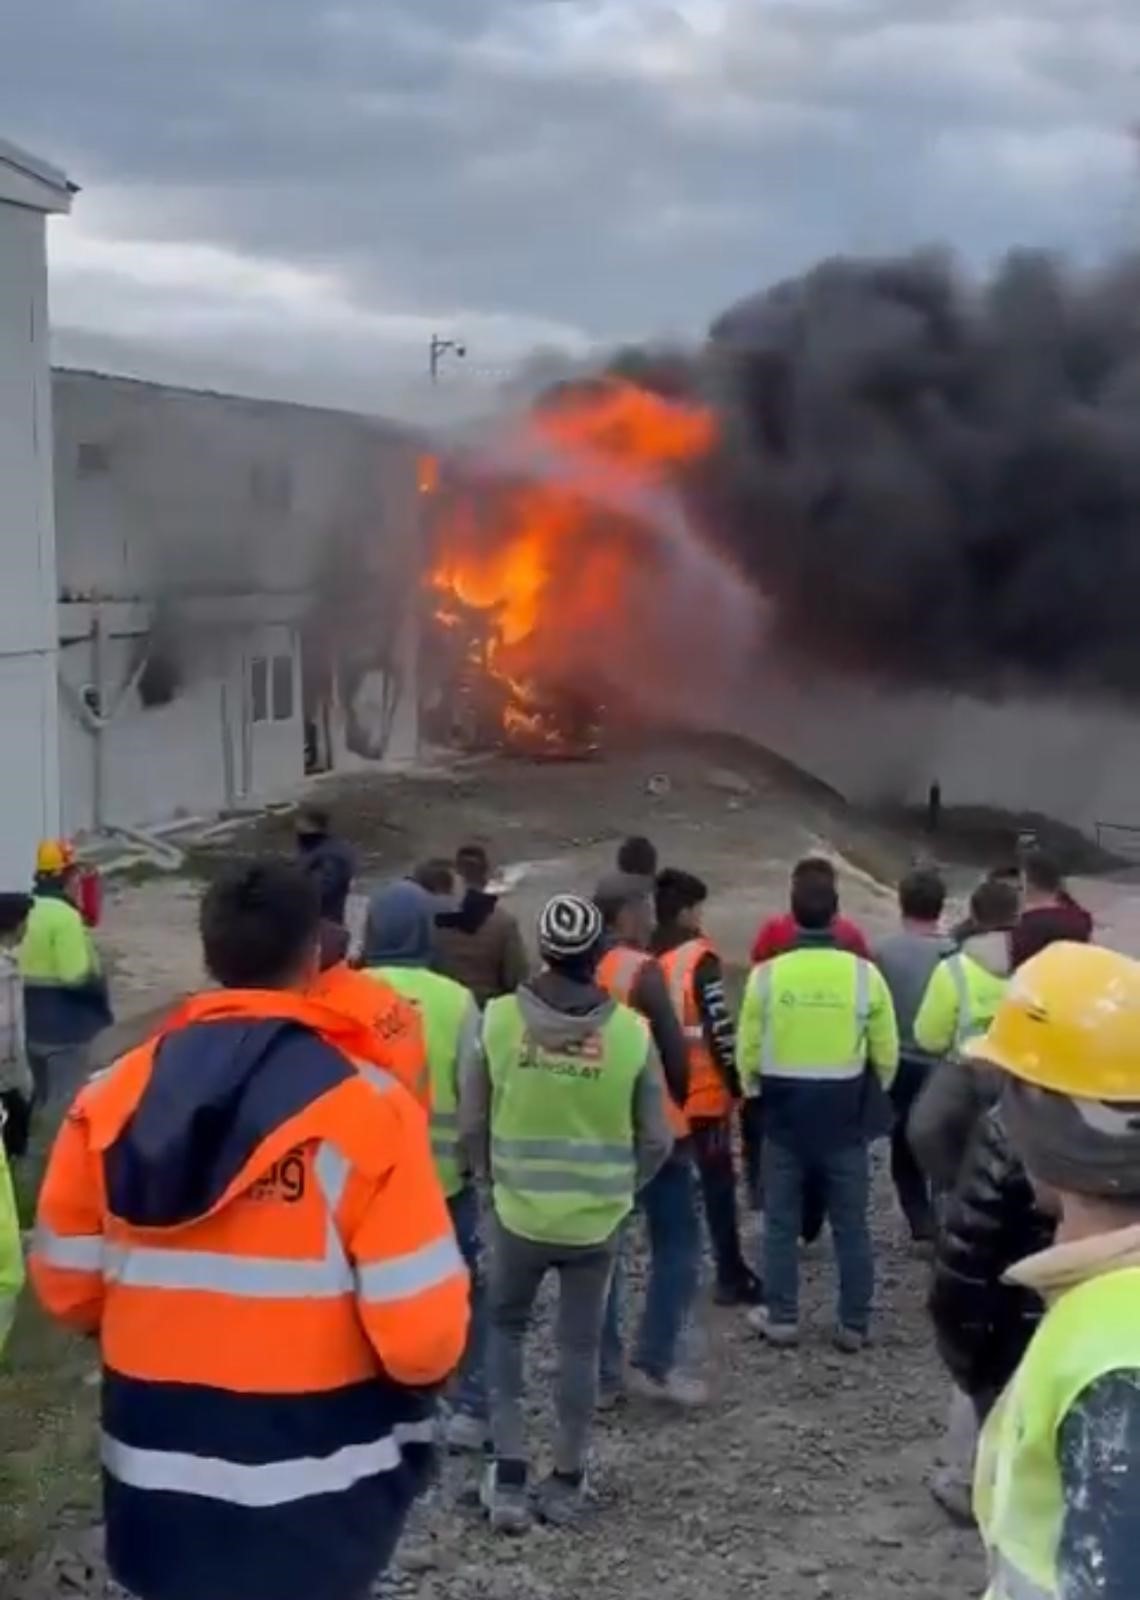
(938,480)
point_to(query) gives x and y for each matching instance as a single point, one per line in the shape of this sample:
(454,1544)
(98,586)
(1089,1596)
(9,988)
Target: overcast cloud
(290,196)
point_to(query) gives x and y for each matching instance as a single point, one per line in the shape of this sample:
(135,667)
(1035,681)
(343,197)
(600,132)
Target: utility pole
(438,348)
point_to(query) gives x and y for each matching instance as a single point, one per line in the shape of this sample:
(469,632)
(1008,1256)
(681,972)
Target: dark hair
(259,924)
(815,898)
(14,909)
(436,875)
(813,869)
(678,891)
(473,864)
(638,855)
(922,894)
(994,904)
(1043,872)
(317,818)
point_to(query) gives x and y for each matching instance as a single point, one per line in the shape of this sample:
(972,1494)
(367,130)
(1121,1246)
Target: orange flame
(539,566)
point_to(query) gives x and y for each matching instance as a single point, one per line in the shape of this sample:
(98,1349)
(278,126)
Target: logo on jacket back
(577,1058)
(285,1181)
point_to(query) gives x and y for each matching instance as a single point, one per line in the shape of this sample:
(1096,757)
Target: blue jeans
(471,1391)
(845,1177)
(670,1204)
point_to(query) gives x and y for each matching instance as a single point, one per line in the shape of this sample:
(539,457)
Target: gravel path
(805,1478)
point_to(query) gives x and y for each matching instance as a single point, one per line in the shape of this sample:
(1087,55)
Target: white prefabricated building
(30,192)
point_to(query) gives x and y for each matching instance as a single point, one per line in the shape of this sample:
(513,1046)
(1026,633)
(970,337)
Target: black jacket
(990,1221)
(332,863)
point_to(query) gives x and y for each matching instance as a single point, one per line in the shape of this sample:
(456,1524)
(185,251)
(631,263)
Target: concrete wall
(1066,757)
(225,519)
(28,705)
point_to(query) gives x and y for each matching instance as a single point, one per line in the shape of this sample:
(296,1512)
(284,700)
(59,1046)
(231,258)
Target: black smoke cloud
(937,479)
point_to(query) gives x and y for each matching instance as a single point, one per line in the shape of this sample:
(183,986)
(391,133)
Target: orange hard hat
(1070,1023)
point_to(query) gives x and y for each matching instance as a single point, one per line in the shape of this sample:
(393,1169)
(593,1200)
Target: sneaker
(678,1389)
(785,1335)
(745,1290)
(465,1433)
(850,1341)
(504,1496)
(563,1500)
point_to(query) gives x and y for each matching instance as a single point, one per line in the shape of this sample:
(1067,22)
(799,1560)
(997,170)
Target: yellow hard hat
(1070,1022)
(54,856)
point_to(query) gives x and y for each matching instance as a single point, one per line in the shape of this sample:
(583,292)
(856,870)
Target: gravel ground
(804,1478)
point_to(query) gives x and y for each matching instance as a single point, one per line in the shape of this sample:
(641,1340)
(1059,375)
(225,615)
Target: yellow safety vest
(562,1132)
(444,1008)
(1090,1331)
(11,1252)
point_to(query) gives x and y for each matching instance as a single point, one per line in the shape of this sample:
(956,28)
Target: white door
(273,746)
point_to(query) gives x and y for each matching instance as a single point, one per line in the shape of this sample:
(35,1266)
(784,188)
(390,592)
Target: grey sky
(288,196)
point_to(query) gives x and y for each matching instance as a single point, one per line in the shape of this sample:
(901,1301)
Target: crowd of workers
(328,1190)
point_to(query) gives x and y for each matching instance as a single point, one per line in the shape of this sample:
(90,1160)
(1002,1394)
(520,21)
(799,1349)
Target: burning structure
(562,552)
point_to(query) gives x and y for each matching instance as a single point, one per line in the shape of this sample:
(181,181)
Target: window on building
(259,689)
(282,688)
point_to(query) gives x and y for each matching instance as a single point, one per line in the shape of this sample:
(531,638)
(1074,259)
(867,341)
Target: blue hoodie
(400,927)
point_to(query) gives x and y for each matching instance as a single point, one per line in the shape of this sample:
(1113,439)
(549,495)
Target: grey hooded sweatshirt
(558,1012)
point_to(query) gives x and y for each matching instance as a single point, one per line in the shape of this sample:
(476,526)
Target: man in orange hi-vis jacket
(245,1212)
(367,998)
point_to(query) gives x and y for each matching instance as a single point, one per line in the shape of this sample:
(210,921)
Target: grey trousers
(516,1270)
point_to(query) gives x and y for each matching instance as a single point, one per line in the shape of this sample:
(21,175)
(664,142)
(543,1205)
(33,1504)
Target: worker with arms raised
(818,1043)
(1057,1487)
(245,1212)
(398,947)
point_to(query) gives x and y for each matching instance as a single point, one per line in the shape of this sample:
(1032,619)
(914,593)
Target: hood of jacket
(558,1011)
(991,951)
(218,1090)
(1045,925)
(1064,1266)
(400,926)
(475,909)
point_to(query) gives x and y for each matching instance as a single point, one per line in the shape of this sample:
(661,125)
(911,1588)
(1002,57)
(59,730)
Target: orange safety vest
(369,1000)
(617,974)
(709,1097)
(271,1341)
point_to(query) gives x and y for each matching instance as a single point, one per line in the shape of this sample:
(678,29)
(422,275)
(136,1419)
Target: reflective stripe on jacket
(11,1252)
(396,1022)
(709,1096)
(450,1020)
(562,1130)
(618,972)
(1090,1331)
(246,1212)
(959,1004)
(811,1023)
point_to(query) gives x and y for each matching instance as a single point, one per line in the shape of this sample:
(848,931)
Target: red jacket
(779,934)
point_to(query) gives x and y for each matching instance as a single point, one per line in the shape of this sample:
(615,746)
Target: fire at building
(544,544)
